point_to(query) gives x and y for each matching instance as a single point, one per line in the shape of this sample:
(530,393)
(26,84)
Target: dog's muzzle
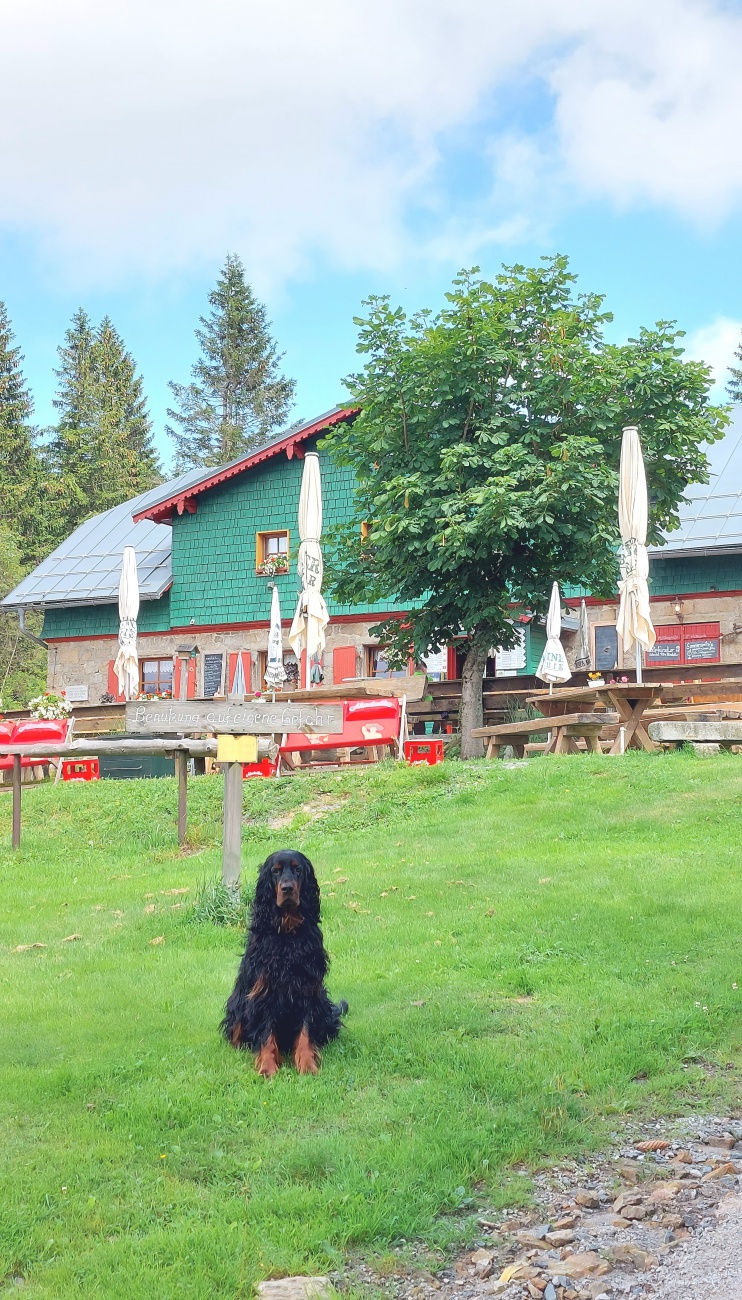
(287,895)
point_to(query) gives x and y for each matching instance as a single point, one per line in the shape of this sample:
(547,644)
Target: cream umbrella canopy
(275,673)
(634,621)
(127,659)
(553,666)
(311,618)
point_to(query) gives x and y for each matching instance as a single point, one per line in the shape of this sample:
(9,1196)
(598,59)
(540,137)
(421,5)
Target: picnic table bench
(565,728)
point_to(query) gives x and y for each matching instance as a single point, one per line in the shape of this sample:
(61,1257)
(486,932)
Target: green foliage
(215,904)
(21,476)
(237,397)
(102,451)
(734,387)
(565,954)
(22,662)
(487,452)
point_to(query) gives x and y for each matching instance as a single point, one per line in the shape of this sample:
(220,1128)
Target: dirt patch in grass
(311,811)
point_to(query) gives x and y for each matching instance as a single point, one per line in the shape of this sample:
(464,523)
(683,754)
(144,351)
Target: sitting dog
(279,1005)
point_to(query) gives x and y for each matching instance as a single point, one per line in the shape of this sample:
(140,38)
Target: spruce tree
(102,450)
(20,468)
(734,387)
(237,396)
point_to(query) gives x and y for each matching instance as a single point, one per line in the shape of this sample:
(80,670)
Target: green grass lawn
(525,951)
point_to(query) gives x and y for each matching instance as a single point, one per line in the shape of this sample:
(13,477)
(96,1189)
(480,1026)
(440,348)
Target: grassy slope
(566,926)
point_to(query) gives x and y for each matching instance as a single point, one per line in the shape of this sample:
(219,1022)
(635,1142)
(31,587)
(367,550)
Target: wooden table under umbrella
(630,700)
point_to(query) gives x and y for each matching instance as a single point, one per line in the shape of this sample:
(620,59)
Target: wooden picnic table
(630,700)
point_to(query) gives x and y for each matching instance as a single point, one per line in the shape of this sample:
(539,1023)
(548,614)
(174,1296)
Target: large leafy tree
(237,396)
(486,457)
(102,450)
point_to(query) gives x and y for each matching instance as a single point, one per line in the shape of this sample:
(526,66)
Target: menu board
(695,650)
(667,651)
(212,675)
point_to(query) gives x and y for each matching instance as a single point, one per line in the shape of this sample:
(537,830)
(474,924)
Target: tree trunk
(472,707)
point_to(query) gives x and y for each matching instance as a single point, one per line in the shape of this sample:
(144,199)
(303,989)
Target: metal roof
(711,522)
(85,569)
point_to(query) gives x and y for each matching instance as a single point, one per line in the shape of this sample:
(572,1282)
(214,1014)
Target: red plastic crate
(424,751)
(80,769)
(263,768)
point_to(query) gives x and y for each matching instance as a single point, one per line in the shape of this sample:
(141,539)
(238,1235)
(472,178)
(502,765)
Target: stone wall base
(85,663)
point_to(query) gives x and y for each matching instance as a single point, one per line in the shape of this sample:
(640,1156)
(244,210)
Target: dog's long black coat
(280,984)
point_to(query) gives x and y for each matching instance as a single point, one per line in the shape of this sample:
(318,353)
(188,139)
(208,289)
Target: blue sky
(344,149)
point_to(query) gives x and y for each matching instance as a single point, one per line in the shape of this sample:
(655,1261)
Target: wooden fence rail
(182,751)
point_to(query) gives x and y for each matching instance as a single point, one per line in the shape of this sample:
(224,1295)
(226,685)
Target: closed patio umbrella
(239,686)
(127,660)
(311,618)
(275,673)
(634,621)
(582,658)
(553,666)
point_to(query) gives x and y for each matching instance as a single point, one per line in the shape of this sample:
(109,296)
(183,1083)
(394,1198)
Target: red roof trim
(162,513)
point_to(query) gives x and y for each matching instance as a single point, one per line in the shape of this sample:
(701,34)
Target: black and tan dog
(279,1005)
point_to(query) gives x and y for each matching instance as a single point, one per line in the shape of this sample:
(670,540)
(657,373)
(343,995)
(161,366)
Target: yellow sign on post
(236,749)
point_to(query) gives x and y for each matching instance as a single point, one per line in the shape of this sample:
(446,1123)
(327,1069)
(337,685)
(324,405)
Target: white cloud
(150,133)
(716,344)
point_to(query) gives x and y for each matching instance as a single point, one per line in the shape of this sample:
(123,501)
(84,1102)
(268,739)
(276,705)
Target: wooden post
(232,833)
(181,768)
(16,801)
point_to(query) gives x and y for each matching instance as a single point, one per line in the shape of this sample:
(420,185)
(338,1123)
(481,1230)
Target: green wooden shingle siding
(214,578)
(103,620)
(213,555)
(684,574)
(687,573)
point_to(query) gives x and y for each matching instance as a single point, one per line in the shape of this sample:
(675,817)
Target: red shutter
(191,680)
(451,663)
(343,663)
(701,643)
(667,649)
(113,682)
(176,678)
(303,671)
(231,666)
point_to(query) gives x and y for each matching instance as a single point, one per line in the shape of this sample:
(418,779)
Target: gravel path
(711,1267)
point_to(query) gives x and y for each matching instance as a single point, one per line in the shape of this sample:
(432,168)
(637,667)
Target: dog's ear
(310,904)
(264,905)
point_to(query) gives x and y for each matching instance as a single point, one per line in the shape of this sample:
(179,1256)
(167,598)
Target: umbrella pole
(638,662)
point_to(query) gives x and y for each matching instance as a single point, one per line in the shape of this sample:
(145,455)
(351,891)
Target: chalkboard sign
(212,675)
(666,651)
(606,646)
(695,650)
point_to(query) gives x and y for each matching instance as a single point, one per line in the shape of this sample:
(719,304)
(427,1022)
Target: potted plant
(596,679)
(50,705)
(272,568)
